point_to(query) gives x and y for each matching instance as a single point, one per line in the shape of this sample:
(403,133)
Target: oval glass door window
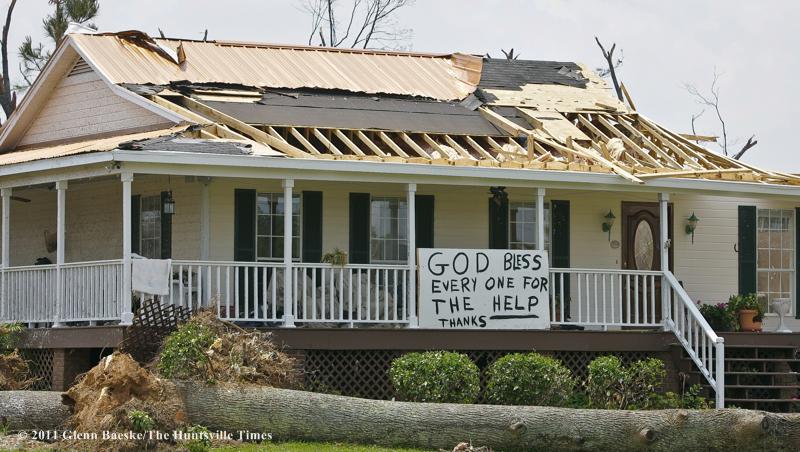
(643,246)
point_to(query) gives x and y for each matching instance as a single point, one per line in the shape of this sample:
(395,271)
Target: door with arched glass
(640,251)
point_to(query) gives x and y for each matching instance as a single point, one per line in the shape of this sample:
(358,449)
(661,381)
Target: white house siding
(82,105)
(94,219)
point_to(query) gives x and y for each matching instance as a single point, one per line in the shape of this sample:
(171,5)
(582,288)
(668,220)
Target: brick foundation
(68,363)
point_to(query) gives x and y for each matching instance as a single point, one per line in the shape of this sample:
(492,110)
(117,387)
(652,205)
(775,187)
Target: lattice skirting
(365,373)
(41,367)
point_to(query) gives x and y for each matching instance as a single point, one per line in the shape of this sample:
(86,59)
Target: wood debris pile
(15,372)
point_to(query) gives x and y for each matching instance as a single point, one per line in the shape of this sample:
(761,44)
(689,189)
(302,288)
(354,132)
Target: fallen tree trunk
(33,410)
(321,417)
(298,415)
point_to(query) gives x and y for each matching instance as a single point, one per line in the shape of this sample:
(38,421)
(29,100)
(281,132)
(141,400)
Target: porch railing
(590,297)
(30,293)
(254,291)
(706,349)
(92,291)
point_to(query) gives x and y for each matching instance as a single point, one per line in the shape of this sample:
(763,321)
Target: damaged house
(187,153)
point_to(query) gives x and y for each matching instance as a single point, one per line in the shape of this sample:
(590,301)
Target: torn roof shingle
(185,144)
(500,73)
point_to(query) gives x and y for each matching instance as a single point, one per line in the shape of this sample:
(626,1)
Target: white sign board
(494,289)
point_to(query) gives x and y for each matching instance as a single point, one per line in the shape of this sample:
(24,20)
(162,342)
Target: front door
(640,251)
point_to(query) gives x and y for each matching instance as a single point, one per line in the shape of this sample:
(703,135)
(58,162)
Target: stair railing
(702,344)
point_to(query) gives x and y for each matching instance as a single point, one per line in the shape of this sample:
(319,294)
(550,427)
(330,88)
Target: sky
(752,44)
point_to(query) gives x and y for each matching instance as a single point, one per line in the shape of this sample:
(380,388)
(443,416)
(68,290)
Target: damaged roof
(345,104)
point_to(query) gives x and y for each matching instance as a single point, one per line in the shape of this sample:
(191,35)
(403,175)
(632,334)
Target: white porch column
(126,310)
(411,193)
(205,238)
(664,244)
(6,195)
(288,284)
(539,219)
(61,187)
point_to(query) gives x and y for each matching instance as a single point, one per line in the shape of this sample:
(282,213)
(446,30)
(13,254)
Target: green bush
(141,420)
(612,386)
(435,376)
(201,441)
(185,351)
(530,379)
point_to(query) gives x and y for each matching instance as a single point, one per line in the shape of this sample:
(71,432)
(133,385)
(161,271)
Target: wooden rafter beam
(275,133)
(642,153)
(483,152)
(185,112)
(326,142)
(302,139)
(588,124)
(689,136)
(623,121)
(348,142)
(678,150)
(502,122)
(392,145)
(236,124)
(413,145)
(370,144)
(454,144)
(691,173)
(683,143)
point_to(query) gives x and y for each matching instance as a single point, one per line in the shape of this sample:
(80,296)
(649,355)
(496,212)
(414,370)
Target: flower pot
(747,321)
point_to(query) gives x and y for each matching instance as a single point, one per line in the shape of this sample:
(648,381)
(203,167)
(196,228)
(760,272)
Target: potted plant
(335,257)
(749,310)
(719,317)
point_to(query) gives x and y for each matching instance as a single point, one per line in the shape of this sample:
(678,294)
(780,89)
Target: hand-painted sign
(495,289)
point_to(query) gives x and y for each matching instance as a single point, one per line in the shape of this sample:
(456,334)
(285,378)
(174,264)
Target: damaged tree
(712,100)
(371,23)
(612,67)
(310,416)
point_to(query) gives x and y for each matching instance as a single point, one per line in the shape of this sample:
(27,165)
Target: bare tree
(365,23)
(612,67)
(8,98)
(34,57)
(712,100)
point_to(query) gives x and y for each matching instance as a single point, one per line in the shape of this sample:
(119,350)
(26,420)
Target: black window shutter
(244,225)
(359,228)
(136,223)
(498,224)
(423,213)
(312,226)
(748,272)
(559,214)
(797,259)
(166,230)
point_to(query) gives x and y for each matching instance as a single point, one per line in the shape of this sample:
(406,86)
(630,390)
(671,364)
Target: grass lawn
(298,446)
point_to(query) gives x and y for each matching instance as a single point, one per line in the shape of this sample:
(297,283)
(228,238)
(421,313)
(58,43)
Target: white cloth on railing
(151,276)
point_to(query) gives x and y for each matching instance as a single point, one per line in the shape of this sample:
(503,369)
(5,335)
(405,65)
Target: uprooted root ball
(15,374)
(106,395)
(209,349)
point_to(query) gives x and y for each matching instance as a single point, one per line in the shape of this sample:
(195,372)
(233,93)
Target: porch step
(760,377)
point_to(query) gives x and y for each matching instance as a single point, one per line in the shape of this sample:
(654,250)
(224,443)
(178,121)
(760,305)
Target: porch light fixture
(499,194)
(608,223)
(692,225)
(169,204)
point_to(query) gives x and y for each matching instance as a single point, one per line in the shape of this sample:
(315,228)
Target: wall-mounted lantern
(692,225)
(608,223)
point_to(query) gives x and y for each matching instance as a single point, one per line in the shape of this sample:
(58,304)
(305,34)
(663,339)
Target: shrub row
(533,379)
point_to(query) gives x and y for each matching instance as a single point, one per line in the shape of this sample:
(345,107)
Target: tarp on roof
(133,58)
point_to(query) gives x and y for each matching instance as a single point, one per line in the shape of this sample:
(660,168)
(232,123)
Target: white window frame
(513,223)
(277,218)
(397,223)
(146,205)
(775,221)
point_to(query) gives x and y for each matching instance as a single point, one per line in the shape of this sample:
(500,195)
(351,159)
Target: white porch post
(61,187)
(205,240)
(664,244)
(126,311)
(539,219)
(288,284)
(411,193)
(6,195)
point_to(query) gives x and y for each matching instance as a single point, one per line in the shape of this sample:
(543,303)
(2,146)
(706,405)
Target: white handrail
(696,336)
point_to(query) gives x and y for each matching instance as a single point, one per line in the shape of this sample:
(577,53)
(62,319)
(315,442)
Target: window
(389,230)
(522,226)
(150,232)
(775,254)
(269,234)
